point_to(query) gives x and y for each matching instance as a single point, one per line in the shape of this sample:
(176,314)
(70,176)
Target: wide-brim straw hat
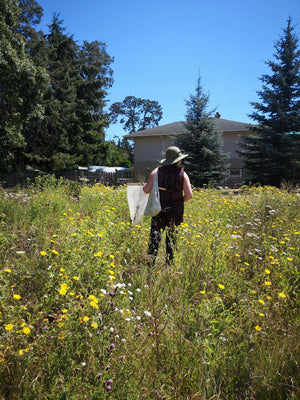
(173,155)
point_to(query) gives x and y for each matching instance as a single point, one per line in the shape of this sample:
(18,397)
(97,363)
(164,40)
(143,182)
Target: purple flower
(99,375)
(108,387)
(112,345)
(122,358)
(107,368)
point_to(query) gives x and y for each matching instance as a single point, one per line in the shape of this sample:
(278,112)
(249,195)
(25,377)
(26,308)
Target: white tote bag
(137,202)
(153,205)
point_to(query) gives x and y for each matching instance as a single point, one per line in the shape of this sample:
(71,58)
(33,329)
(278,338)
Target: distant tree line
(54,94)
(54,107)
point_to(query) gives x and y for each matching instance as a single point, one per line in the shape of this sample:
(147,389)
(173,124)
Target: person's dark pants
(155,238)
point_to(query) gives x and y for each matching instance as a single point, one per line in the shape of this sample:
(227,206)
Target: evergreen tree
(21,87)
(91,119)
(272,153)
(206,162)
(49,140)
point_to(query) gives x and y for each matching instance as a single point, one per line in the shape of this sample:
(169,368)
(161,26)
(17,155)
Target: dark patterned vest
(170,182)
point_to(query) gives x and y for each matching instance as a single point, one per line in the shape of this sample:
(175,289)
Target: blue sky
(161,46)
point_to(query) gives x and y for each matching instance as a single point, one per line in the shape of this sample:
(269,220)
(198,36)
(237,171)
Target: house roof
(175,128)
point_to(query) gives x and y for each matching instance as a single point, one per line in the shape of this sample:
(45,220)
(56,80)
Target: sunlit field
(82,316)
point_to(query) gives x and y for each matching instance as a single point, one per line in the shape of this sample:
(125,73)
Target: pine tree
(206,162)
(272,153)
(21,87)
(95,79)
(49,140)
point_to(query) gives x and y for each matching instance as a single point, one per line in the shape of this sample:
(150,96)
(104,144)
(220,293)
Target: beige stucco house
(150,144)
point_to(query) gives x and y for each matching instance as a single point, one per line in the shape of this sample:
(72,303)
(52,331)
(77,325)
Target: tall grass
(82,317)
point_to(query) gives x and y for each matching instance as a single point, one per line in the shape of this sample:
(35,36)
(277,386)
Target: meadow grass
(82,316)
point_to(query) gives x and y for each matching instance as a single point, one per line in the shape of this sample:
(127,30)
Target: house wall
(230,145)
(149,150)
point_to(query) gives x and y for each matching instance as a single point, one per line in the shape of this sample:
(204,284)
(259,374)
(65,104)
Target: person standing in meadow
(174,190)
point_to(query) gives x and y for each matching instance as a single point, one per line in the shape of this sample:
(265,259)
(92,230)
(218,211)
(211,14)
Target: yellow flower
(99,254)
(85,318)
(267,271)
(64,311)
(54,252)
(289,258)
(43,253)
(75,278)
(26,330)
(21,352)
(222,287)
(261,314)
(282,295)
(258,328)
(7,270)
(268,283)
(94,325)
(9,327)
(94,304)
(16,296)
(261,301)
(202,292)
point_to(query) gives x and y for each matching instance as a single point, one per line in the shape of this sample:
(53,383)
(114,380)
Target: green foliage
(136,114)
(206,162)
(21,84)
(82,317)
(272,154)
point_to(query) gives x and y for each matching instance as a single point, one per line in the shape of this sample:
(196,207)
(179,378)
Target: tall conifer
(206,162)
(272,153)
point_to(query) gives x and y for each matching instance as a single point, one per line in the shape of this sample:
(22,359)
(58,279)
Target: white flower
(147,313)
(111,329)
(138,290)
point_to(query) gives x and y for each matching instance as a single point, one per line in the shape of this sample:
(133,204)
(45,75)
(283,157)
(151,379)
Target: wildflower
(289,258)
(258,328)
(54,251)
(99,254)
(282,295)
(75,278)
(9,327)
(7,270)
(94,304)
(268,283)
(26,330)
(202,292)
(148,314)
(43,253)
(21,352)
(85,318)
(261,314)
(261,302)
(16,296)
(94,325)
(222,287)
(267,271)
